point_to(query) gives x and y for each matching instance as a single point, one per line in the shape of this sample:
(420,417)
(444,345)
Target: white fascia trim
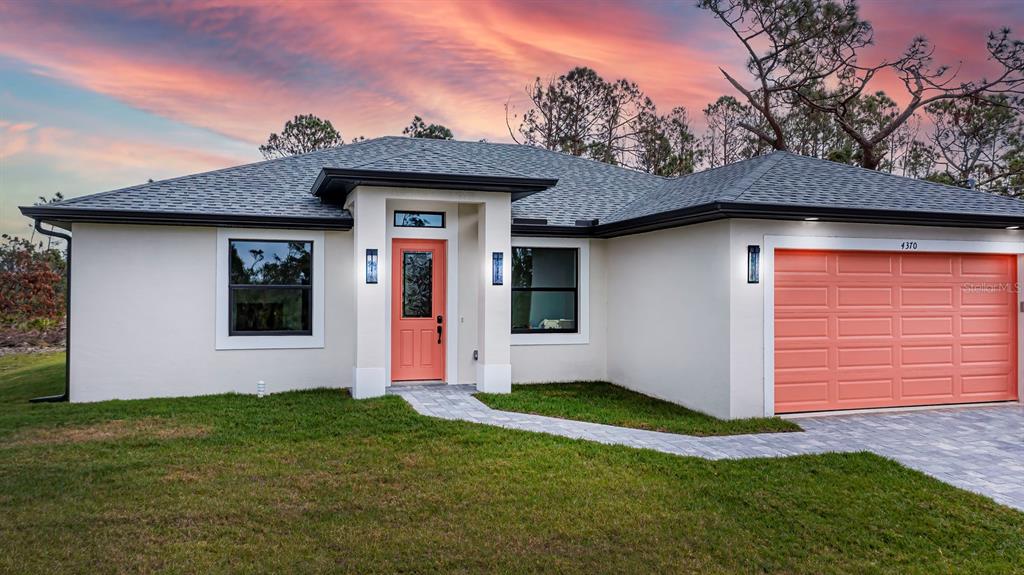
(581,337)
(907,244)
(225,341)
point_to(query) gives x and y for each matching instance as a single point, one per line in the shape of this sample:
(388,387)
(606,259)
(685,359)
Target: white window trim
(582,336)
(225,341)
(772,243)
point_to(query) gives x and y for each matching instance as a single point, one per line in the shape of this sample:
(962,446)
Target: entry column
(494,329)
(369,233)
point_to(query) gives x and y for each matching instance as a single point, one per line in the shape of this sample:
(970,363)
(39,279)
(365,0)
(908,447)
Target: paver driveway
(980,449)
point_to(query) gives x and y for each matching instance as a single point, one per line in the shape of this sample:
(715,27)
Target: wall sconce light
(753,264)
(371,266)
(497,277)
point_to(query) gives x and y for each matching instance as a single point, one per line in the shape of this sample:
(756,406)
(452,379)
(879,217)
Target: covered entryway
(858,329)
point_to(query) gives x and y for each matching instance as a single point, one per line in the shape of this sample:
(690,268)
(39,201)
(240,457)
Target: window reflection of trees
(270,283)
(290,268)
(417,284)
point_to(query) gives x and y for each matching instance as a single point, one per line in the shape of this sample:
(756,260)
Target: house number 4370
(908,246)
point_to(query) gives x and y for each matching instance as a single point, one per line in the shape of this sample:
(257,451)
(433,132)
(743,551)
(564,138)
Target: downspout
(67,322)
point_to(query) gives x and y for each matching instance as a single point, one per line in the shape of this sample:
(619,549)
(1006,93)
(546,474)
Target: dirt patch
(14,339)
(147,428)
(26,350)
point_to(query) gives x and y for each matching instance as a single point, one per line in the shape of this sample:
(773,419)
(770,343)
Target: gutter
(53,214)
(725,210)
(67,322)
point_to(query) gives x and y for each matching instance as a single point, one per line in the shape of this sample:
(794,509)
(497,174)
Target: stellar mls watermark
(991,287)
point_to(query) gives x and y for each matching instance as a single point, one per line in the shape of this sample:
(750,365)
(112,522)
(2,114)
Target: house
(777,284)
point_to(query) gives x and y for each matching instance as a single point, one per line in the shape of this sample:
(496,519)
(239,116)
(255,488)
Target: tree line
(806,88)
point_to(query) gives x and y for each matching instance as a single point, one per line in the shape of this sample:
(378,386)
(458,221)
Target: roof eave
(338,183)
(63,217)
(725,210)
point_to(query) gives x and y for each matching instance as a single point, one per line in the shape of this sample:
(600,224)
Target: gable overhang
(335,184)
(63,217)
(726,210)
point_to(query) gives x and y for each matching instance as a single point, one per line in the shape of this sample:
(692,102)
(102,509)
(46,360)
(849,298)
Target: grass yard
(601,402)
(317,482)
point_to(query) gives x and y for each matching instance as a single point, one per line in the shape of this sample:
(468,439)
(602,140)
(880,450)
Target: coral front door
(418,324)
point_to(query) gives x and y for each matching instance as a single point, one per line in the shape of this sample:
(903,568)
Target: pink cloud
(241,68)
(380,63)
(104,156)
(20,127)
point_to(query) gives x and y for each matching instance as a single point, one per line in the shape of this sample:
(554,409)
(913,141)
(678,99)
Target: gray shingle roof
(281,187)
(786,179)
(586,189)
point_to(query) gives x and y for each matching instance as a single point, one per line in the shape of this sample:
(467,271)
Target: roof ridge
(768,161)
(488,164)
(649,193)
(541,149)
(381,158)
(426,150)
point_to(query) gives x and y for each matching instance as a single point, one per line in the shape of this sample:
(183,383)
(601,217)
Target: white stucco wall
(469,285)
(144,309)
(542,362)
(668,315)
(747,318)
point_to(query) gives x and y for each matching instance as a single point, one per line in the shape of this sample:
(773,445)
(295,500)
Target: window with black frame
(405,219)
(270,287)
(545,292)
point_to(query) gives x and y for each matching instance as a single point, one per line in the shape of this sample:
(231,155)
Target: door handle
(439,335)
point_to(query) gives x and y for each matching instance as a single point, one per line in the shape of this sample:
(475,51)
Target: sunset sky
(99,96)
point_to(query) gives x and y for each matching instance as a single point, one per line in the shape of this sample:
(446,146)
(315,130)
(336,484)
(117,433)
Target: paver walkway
(980,449)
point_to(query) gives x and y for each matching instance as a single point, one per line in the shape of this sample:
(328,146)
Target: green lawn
(602,402)
(317,482)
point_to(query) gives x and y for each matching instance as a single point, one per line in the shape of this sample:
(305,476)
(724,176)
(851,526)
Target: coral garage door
(879,329)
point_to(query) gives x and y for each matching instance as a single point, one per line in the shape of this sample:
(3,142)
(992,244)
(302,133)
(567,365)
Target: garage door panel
(921,387)
(986,384)
(801,297)
(927,297)
(801,358)
(802,327)
(864,389)
(926,326)
(991,296)
(863,264)
(864,327)
(929,265)
(927,355)
(975,353)
(860,297)
(804,263)
(862,357)
(982,325)
(979,266)
(868,329)
(805,393)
